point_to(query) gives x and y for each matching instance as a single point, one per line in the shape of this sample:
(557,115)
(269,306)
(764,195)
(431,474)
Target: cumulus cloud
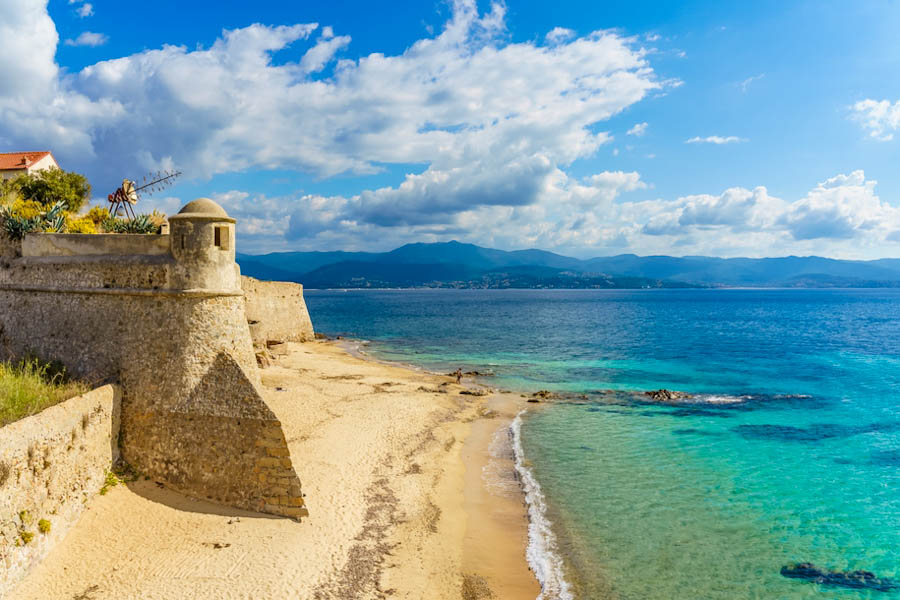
(715,139)
(638,130)
(844,210)
(88,38)
(844,206)
(879,118)
(490,121)
(85,10)
(492,126)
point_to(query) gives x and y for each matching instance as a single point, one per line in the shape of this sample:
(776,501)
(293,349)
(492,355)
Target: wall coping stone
(93,244)
(193,293)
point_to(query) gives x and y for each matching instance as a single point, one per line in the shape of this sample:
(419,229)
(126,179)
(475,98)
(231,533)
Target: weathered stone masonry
(50,465)
(164,316)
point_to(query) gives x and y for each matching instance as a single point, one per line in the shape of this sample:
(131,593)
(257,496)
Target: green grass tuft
(44,526)
(28,387)
(112,480)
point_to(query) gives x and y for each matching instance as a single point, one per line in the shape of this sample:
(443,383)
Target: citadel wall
(172,329)
(276,311)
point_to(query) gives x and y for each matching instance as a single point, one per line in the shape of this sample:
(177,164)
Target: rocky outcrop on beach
(542,395)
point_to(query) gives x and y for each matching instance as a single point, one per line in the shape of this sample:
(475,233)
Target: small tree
(49,186)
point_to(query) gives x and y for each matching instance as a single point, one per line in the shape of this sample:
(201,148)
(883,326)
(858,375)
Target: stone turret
(165,316)
(202,243)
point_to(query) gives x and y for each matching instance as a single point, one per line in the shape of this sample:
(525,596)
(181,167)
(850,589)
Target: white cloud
(844,206)
(558,35)
(85,10)
(493,126)
(467,105)
(652,37)
(88,38)
(843,211)
(879,118)
(715,139)
(745,84)
(638,130)
(323,52)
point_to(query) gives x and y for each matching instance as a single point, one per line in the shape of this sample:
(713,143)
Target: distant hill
(453,264)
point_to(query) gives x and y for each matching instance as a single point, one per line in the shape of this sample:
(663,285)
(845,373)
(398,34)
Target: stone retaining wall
(50,465)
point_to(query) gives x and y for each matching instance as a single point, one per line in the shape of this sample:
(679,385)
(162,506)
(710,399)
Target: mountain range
(454,264)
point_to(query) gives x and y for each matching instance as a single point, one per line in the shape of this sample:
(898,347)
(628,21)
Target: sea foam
(542,553)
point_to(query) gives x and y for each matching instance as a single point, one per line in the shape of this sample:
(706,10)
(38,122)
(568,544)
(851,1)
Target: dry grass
(31,386)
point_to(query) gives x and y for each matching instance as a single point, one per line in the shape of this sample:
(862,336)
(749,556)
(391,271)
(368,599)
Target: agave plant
(54,220)
(16,226)
(139,224)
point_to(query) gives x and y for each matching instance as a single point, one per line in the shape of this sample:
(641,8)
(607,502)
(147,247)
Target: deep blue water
(790,453)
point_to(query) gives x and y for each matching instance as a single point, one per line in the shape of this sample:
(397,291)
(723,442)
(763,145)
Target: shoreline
(397,467)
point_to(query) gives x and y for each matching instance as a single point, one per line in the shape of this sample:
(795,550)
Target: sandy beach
(409,486)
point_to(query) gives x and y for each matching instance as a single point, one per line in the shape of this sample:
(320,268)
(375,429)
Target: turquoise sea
(790,451)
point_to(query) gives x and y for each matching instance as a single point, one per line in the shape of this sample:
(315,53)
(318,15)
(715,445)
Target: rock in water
(849,579)
(667,396)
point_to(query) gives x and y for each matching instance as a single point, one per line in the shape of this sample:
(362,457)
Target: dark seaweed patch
(888,458)
(688,411)
(702,432)
(813,433)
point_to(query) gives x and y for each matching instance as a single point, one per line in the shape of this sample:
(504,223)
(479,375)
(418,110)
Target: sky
(586,128)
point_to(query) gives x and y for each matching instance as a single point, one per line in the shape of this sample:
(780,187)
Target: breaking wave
(542,554)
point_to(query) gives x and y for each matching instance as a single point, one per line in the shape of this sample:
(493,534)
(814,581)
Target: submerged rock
(475,392)
(849,579)
(667,396)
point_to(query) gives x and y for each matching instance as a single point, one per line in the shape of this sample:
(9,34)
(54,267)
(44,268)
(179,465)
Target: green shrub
(27,536)
(98,214)
(82,225)
(49,186)
(44,526)
(30,386)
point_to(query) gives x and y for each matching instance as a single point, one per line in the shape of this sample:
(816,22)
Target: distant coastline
(453,265)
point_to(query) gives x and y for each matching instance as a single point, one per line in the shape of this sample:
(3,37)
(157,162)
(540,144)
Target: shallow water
(792,453)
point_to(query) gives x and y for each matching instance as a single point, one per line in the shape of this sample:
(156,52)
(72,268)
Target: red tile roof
(10,161)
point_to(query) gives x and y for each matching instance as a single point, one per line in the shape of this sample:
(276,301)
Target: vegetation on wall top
(30,386)
(50,200)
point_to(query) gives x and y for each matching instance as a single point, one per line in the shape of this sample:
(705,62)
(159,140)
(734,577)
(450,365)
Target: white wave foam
(542,554)
(719,399)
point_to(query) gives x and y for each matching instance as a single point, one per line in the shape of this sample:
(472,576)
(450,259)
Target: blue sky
(731,129)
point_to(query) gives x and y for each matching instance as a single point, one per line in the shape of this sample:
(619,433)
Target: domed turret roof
(204,207)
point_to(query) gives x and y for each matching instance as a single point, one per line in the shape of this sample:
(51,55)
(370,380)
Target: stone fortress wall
(165,316)
(276,311)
